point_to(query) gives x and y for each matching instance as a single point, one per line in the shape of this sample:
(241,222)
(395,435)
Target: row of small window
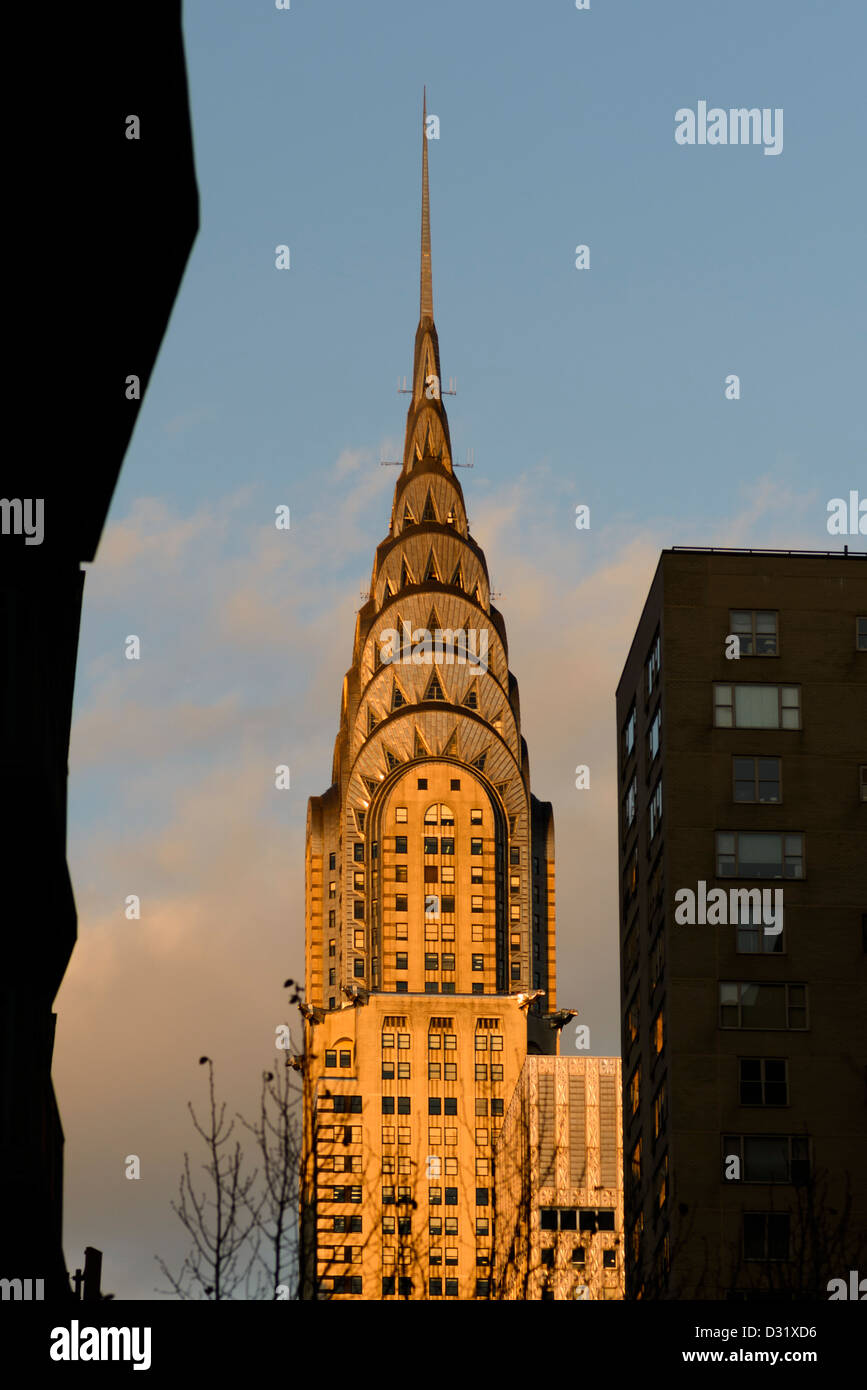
(447,1071)
(440,814)
(432,961)
(437,1288)
(654,737)
(331,1058)
(433,845)
(447,1041)
(437,987)
(402,1196)
(576,1219)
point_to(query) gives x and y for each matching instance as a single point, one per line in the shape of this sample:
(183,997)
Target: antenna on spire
(426,296)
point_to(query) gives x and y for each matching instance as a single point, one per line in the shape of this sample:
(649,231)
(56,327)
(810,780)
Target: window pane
(756,706)
(766,1159)
(763,1006)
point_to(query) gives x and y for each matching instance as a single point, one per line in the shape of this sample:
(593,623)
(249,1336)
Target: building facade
(559,1183)
(430,967)
(742,728)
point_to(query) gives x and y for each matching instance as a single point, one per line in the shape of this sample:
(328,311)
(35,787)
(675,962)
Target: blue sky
(603,386)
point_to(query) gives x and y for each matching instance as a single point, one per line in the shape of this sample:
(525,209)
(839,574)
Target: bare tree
(274,1205)
(221,1220)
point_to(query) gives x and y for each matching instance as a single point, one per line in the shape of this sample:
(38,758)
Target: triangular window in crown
(434,689)
(502,788)
(431,573)
(429,513)
(450,747)
(391,759)
(405,574)
(390,590)
(398,699)
(420,748)
(372,720)
(458,577)
(478,595)
(433,622)
(408,518)
(371,784)
(471,699)
(359,821)
(480,761)
(452,520)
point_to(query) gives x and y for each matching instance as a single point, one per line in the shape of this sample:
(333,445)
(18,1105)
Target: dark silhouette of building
(744,777)
(106,228)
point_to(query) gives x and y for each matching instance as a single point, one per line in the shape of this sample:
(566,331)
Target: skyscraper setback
(430,969)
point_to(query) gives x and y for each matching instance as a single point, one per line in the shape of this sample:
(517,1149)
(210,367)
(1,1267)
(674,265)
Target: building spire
(426,310)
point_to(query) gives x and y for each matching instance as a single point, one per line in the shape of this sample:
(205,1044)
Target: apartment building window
(400,960)
(451,1198)
(578,1255)
(654,737)
(756,779)
(359,939)
(482,1196)
(358,852)
(764,1081)
(629,803)
(759,854)
(332,917)
(332,976)
(358,968)
(476,846)
(477,903)
(387,1071)
(514,854)
(400,815)
(478,962)
(780,1006)
(756,630)
(629,734)
(632,1020)
(634,1092)
(861,634)
(754,937)
(777,1158)
(332,861)
(660,1111)
(609,1259)
(766,1235)
(757,706)
(655,810)
(657,959)
(635,1162)
(332,889)
(652,666)
(657,1034)
(400,844)
(403,1040)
